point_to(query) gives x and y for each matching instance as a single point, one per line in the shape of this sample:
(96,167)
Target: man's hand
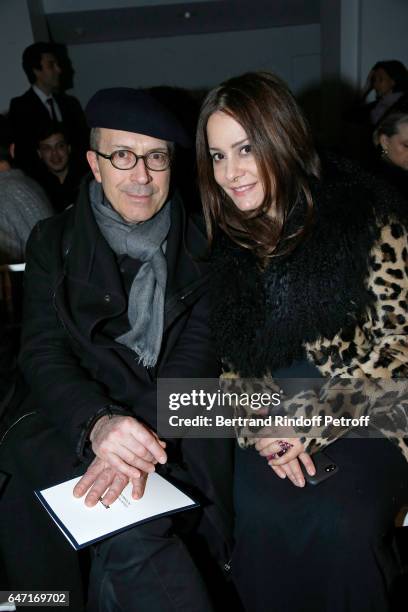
(102,480)
(126,445)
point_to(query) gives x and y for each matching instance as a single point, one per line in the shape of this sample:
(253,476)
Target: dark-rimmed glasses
(126,160)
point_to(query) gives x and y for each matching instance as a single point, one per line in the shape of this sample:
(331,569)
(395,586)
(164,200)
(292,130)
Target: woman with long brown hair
(309,281)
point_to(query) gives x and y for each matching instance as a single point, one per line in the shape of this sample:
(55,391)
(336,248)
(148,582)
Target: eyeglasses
(126,160)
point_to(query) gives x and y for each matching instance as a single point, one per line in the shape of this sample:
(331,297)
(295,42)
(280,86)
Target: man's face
(47,78)
(54,152)
(136,194)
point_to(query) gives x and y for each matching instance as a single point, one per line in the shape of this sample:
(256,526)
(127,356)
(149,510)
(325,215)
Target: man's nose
(140,173)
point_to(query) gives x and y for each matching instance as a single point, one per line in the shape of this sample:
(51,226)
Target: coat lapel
(186,279)
(37,107)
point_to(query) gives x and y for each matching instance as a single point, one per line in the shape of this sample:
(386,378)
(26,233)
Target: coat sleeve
(61,390)
(374,384)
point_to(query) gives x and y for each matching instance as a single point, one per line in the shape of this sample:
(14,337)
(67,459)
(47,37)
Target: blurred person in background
(391,141)
(22,202)
(43,103)
(62,171)
(388,80)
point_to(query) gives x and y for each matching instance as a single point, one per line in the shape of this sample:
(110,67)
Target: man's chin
(138,214)
(57,170)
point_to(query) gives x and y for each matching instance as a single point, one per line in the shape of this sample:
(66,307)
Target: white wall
(384,30)
(371,30)
(15,35)
(198,61)
(194,62)
(350,41)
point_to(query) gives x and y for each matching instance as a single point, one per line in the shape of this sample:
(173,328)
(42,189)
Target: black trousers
(34,554)
(146,569)
(324,548)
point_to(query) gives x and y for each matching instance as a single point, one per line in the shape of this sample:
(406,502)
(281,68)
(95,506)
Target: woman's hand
(284,457)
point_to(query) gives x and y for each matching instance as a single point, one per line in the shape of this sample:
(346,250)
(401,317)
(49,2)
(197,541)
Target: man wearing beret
(115,297)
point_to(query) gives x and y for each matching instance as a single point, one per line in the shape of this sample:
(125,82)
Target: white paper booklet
(82,525)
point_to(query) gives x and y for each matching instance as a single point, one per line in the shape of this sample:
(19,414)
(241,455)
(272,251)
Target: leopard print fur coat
(340,298)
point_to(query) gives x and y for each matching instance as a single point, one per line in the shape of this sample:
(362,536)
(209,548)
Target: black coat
(75,370)
(62,195)
(28,116)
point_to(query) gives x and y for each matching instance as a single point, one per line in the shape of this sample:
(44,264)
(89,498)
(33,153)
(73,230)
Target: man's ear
(94,164)
(12,150)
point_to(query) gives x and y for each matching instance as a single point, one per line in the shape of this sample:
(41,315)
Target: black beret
(134,110)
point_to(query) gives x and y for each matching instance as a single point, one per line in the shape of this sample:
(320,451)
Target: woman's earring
(384,152)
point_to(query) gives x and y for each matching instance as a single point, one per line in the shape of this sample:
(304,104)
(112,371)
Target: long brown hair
(286,159)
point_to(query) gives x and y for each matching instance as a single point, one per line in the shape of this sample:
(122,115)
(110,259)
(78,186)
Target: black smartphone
(325,468)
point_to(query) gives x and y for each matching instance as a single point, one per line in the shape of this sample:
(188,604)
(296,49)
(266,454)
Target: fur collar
(261,320)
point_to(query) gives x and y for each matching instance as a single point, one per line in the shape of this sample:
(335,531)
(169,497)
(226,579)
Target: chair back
(11,293)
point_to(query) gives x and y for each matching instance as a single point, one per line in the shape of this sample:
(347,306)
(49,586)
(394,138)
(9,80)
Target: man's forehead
(124,138)
(57,136)
(48,57)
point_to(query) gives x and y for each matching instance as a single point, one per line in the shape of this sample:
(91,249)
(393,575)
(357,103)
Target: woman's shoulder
(352,194)
(338,170)
(394,176)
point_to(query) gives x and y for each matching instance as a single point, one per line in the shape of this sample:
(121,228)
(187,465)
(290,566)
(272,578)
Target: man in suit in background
(42,105)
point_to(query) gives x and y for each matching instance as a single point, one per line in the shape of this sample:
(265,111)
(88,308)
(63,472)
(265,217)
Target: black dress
(323,548)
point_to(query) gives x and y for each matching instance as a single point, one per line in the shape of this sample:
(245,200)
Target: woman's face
(382,82)
(234,164)
(396,147)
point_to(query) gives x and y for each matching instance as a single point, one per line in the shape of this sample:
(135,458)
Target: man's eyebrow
(233,146)
(48,144)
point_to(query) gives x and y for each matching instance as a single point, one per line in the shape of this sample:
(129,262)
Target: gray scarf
(145,242)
